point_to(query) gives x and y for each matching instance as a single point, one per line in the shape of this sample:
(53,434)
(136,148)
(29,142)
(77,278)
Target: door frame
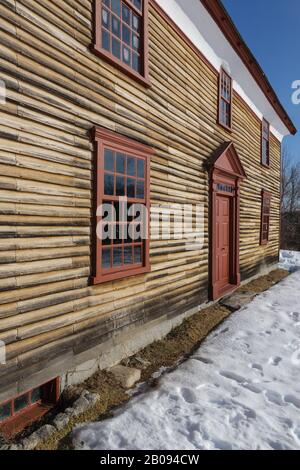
(225,169)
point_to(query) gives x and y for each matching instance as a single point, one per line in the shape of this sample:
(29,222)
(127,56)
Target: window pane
(131,166)
(130,187)
(106,255)
(126,35)
(141,168)
(138,4)
(116,48)
(118,257)
(118,235)
(137,254)
(126,14)
(121,159)
(36,395)
(21,403)
(140,190)
(106,234)
(128,255)
(136,62)
(128,238)
(135,42)
(105,40)
(118,211)
(106,2)
(120,190)
(5,411)
(109,160)
(126,55)
(116,26)
(109,185)
(116,7)
(105,18)
(135,22)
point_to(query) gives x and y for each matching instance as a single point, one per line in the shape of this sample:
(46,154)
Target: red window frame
(265,217)
(108,140)
(265,143)
(225,97)
(18,420)
(143,76)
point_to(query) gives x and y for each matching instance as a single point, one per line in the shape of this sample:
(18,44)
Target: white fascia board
(197,24)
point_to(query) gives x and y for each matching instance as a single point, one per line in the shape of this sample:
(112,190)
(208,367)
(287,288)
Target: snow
(290,260)
(240,390)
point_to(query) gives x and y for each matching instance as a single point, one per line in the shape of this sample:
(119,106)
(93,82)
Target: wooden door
(223,241)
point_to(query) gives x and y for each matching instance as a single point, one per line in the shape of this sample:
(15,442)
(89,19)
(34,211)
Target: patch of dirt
(264,283)
(175,348)
(112,394)
(180,343)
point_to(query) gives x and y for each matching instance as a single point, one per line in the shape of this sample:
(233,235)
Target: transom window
(226,188)
(123,205)
(121,34)
(265,217)
(225,100)
(265,159)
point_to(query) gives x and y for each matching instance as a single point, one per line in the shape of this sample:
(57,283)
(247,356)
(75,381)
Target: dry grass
(176,347)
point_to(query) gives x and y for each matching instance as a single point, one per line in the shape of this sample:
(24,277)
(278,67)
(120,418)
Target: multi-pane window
(225,99)
(121,34)
(122,219)
(15,412)
(265,217)
(265,147)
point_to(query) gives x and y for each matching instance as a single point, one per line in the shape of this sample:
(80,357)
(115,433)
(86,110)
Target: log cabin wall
(57,91)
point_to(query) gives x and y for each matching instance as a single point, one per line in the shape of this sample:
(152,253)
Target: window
(265,146)
(225,100)
(121,35)
(122,211)
(22,410)
(265,217)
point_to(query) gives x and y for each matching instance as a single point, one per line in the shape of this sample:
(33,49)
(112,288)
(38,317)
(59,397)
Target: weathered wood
(57,91)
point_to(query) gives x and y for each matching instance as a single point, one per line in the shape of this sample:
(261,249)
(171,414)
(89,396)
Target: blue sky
(271,28)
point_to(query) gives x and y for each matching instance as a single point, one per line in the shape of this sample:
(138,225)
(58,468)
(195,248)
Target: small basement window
(21,411)
(121,35)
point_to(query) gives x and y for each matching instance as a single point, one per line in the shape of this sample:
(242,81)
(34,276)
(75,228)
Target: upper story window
(121,35)
(265,217)
(122,211)
(265,145)
(225,100)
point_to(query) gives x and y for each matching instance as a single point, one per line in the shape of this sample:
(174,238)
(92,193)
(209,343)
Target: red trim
(265,196)
(104,138)
(19,420)
(96,47)
(222,74)
(226,25)
(225,168)
(263,124)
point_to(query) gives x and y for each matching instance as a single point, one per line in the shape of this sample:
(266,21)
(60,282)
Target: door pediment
(226,159)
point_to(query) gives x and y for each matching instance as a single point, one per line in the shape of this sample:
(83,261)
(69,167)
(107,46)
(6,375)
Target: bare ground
(167,353)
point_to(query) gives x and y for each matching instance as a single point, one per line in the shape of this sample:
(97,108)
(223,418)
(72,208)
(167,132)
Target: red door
(223,241)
